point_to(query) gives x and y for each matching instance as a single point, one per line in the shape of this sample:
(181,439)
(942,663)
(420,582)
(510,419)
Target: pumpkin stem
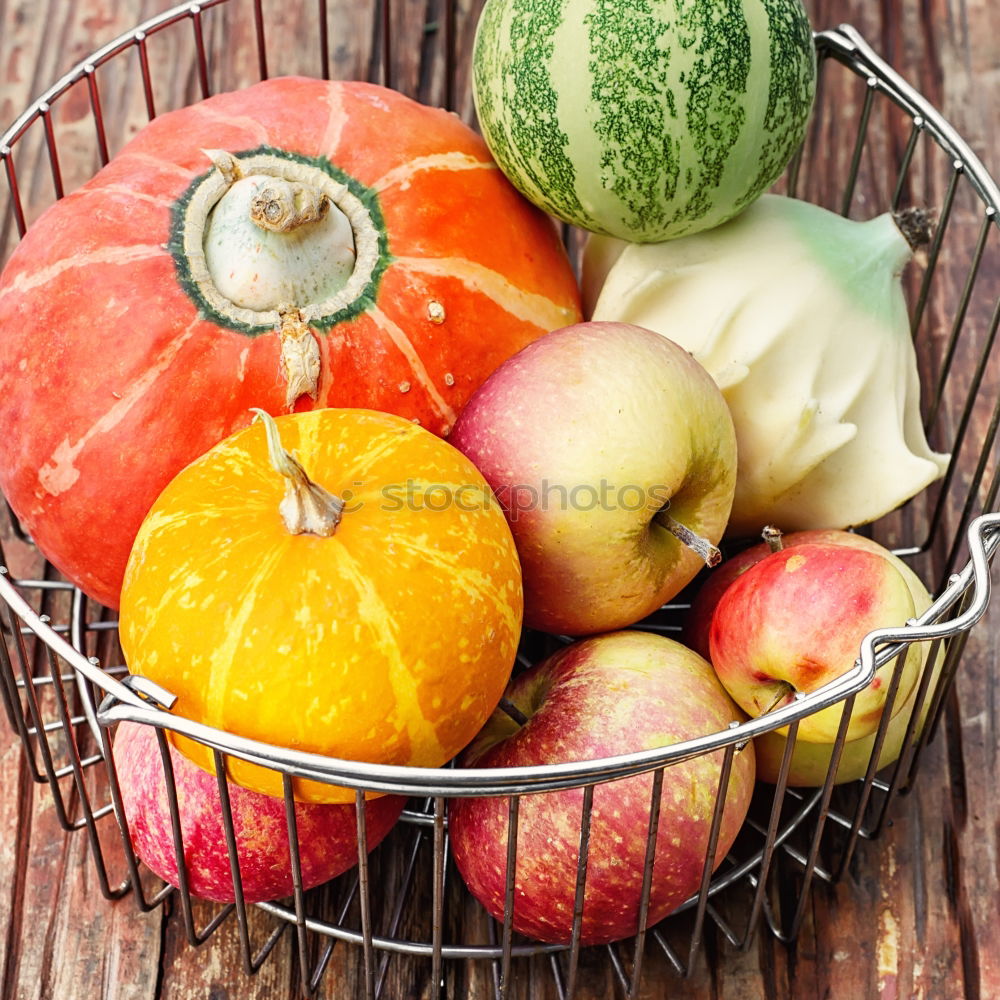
(306,508)
(300,360)
(282,206)
(279,205)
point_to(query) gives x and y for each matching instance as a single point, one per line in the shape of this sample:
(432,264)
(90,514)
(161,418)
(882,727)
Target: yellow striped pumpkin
(360,600)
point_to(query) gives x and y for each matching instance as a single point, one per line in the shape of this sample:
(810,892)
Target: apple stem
(702,546)
(783,692)
(772,536)
(506,705)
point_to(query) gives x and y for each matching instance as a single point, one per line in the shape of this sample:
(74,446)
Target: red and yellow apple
(795,620)
(599,697)
(327,834)
(613,454)
(699,617)
(810,761)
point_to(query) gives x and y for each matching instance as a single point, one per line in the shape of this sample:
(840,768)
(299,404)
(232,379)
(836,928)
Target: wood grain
(915,914)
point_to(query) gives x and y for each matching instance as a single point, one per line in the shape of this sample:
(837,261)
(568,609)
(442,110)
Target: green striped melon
(643,119)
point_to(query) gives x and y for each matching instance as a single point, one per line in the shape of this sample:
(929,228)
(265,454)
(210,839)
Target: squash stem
(307,508)
(917,226)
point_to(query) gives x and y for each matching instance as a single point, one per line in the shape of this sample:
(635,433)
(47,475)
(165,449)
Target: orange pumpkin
(296,244)
(361,600)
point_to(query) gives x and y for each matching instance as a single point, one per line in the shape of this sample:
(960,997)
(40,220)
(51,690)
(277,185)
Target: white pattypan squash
(799,315)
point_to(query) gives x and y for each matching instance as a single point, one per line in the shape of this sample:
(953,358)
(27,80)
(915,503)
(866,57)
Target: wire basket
(64,688)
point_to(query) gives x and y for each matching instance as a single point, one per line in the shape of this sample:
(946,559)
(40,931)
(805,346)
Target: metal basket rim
(89,64)
(123,703)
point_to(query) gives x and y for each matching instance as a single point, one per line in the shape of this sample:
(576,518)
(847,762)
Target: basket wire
(64,688)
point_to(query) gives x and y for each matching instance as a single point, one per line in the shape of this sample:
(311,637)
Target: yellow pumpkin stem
(307,508)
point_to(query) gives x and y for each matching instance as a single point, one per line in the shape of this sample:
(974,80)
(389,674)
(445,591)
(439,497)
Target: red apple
(588,436)
(811,761)
(328,841)
(795,621)
(699,617)
(608,695)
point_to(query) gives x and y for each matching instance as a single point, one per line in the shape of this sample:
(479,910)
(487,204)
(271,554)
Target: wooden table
(916,914)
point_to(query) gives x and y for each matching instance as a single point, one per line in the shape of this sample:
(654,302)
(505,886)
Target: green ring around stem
(358,202)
